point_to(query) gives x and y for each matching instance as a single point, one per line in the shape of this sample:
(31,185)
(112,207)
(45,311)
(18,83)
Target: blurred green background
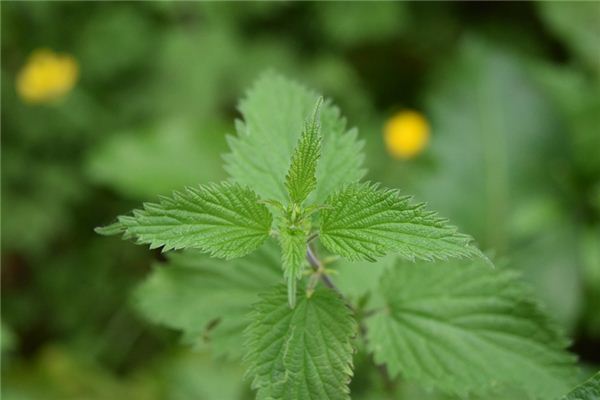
(510,91)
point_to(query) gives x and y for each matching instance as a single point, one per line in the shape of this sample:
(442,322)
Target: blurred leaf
(224,13)
(194,68)
(595,197)
(38,292)
(491,127)
(63,273)
(199,376)
(534,216)
(577,99)
(8,340)
(37,201)
(113,41)
(192,291)
(549,262)
(357,23)
(158,160)
(59,374)
(589,244)
(578,25)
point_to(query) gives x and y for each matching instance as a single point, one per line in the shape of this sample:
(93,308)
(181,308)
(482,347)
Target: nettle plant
(260,277)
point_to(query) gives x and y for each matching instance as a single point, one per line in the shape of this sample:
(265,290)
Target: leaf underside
(465,328)
(367,222)
(300,353)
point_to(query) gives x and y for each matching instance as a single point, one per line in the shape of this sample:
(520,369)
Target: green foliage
(300,353)
(301,179)
(358,22)
(465,328)
(460,328)
(207,298)
(590,255)
(158,160)
(293,257)
(274,112)
(546,264)
(578,25)
(224,220)
(42,202)
(483,118)
(7,338)
(589,390)
(512,160)
(577,100)
(365,222)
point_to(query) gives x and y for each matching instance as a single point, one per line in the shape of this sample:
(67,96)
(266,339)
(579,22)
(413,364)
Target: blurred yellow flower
(406,134)
(46,76)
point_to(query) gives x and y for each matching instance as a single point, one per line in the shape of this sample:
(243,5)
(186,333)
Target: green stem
(318,267)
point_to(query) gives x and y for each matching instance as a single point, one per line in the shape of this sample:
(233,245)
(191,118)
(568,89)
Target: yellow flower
(406,134)
(46,76)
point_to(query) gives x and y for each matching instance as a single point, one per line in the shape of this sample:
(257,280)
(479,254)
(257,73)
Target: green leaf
(301,179)
(274,112)
(365,222)
(293,256)
(109,230)
(224,220)
(158,160)
(193,291)
(300,353)
(589,390)
(464,328)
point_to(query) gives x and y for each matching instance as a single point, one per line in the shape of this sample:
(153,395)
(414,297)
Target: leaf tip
(110,230)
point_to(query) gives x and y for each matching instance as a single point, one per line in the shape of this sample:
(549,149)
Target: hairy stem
(317,265)
(312,237)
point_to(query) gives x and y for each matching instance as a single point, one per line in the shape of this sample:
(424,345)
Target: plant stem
(312,237)
(317,265)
